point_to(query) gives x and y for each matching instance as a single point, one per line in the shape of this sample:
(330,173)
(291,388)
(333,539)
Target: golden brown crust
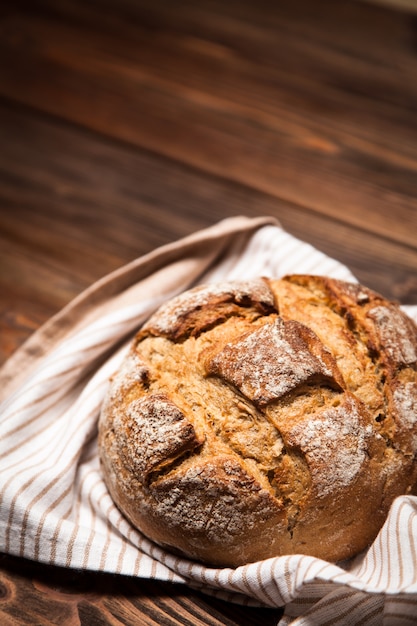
(267,417)
(157,421)
(193,312)
(273,359)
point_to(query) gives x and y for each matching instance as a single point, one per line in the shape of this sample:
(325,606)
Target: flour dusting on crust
(395,334)
(171,319)
(270,362)
(335,444)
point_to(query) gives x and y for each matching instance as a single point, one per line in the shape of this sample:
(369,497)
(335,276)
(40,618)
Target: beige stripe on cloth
(54,505)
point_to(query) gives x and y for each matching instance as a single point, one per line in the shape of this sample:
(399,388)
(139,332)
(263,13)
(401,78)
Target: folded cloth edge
(37,345)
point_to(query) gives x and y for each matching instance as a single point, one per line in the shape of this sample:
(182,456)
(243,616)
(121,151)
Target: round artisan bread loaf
(264,417)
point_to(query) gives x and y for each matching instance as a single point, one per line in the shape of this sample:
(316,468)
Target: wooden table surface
(127,125)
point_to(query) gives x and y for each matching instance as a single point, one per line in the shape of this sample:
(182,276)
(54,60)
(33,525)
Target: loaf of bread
(264,417)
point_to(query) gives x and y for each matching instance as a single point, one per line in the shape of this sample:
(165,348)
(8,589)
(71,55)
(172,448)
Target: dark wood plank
(315,106)
(68,217)
(31,593)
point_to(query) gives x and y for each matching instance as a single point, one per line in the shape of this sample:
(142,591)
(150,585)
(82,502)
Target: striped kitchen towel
(54,505)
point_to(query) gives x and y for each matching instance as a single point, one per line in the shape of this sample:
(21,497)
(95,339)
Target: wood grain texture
(34,594)
(309,104)
(125,126)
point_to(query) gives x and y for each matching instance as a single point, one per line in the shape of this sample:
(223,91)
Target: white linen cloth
(54,505)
